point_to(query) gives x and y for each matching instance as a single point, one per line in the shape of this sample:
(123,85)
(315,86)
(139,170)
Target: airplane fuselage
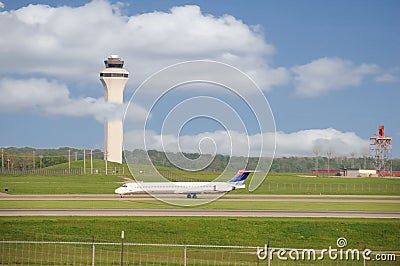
(189,188)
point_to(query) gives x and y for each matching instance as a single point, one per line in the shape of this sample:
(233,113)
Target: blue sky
(329,69)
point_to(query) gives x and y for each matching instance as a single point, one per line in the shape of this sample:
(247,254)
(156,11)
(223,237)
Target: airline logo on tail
(241,176)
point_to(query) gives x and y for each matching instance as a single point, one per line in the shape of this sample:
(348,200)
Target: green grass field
(273,184)
(315,233)
(87,184)
(377,234)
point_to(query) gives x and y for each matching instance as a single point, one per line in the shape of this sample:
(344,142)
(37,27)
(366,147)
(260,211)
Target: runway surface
(238,197)
(191,212)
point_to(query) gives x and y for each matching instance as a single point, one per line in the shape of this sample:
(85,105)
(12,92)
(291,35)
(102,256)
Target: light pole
(2,160)
(106,157)
(329,154)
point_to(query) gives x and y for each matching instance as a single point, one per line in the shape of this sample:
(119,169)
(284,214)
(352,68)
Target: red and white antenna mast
(381,151)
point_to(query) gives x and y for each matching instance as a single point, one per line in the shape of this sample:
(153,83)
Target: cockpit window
(125,185)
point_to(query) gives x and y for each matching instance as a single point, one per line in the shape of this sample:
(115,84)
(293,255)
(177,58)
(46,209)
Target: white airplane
(191,189)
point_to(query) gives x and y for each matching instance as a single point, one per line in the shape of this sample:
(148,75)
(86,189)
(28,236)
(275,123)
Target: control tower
(114,79)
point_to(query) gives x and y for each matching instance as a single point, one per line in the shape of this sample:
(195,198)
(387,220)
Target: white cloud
(386,78)
(71,42)
(17,95)
(326,74)
(218,142)
(302,142)
(53,98)
(1,5)
(299,143)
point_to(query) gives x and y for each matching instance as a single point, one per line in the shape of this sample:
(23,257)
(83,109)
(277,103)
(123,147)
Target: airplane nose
(118,191)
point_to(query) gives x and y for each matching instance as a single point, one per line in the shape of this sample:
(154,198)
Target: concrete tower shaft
(114,79)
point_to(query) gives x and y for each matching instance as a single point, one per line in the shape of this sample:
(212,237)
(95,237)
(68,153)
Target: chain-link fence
(70,171)
(113,253)
(331,188)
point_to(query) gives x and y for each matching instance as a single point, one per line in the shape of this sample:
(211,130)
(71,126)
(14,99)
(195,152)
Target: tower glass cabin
(114,78)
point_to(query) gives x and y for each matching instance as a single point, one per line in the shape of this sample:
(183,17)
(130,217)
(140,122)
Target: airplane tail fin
(241,176)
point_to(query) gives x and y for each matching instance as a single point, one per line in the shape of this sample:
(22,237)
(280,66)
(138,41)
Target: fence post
(93,251)
(184,253)
(269,259)
(122,247)
(69,162)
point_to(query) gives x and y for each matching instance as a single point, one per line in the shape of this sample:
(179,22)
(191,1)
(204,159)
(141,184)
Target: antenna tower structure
(381,151)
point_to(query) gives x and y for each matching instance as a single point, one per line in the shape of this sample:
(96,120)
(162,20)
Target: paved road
(172,212)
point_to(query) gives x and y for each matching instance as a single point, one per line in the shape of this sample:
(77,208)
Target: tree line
(33,158)
(282,164)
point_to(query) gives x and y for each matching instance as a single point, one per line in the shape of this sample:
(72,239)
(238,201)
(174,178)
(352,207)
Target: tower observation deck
(114,78)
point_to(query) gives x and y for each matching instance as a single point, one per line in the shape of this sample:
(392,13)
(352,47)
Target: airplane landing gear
(192,196)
